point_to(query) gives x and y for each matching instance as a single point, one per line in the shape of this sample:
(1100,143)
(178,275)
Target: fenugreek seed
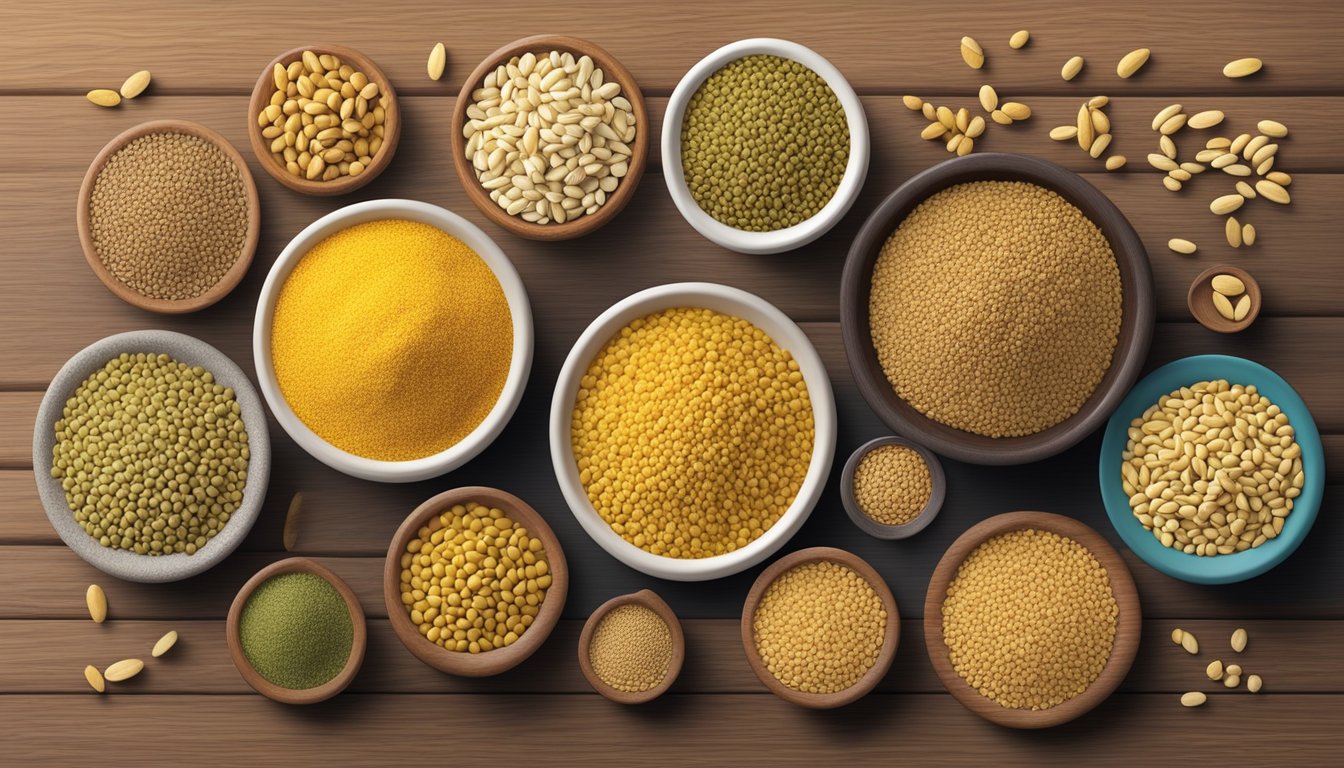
(1273,192)
(1166,114)
(123,670)
(1226,204)
(1097,102)
(1215,669)
(1218,142)
(1253,146)
(104,97)
(1172,184)
(966,146)
(930,112)
(1242,67)
(438,60)
(954,142)
(316,167)
(1248,234)
(95,678)
(1071,68)
(913,103)
(1232,681)
(1192,168)
(1189,643)
(1237,169)
(1224,307)
(1168,146)
(1017,110)
(1234,669)
(1245,190)
(989,98)
(1193,699)
(1019,39)
(976,128)
(963,119)
(1206,119)
(1181,246)
(1280,178)
(948,118)
(1228,285)
(164,644)
(1263,153)
(1224,160)
(1254,683)
(280,76)
(1265,167)
(1000,117)
(1239,143)
(1132,62)
(1162,162)
(933,131)
(1064,132)
(135,84)
(1272,128)
(1115,162)
(1100,122)
(1177,635)
(1242,309)
(1173,124)
(1101,143)
(1086,133)
(1208,155)
(972,53)
(96,600)
(1179,174)
(1233,231)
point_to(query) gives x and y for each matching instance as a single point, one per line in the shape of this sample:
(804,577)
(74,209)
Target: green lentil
(764,144)
(295,630)
(152,454)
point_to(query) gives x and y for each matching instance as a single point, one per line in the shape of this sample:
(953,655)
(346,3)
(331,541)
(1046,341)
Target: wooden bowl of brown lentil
(832,661)
(168,216)
(632,648)
(1068,631)
(352,68)
(892,488)
(1018,352)
(614,195)
(537,577)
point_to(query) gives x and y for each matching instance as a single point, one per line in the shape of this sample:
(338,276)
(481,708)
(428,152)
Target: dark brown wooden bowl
(653,602)
(261,96)
(1200,300)
(612,70)
(290,695)
(1136,325)
(84,222)
(1128,623)
(880,530)
(890,640)
(497,660)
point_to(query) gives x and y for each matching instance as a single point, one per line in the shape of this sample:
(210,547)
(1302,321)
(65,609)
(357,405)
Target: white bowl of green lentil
(784,226)
(723,441)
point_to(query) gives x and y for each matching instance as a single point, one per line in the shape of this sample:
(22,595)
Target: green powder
(296,630)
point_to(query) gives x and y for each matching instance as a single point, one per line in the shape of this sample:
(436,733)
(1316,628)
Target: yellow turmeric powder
(392,340)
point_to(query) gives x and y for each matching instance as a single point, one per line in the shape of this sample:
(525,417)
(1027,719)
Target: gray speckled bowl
(122,563)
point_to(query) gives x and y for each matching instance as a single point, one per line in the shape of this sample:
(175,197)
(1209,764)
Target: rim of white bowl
(520,363)
(789,238)
(784,332)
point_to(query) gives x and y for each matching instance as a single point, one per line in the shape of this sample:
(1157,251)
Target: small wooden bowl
(84,221)
(290,695)
(261,96)
(1200,300)
(494,661)
(882,530)
(1128,624)
(653,602)
(613,71)
(890,639)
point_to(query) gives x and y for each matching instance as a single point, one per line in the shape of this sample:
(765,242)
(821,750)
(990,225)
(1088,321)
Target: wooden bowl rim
(1128,623)
(612,69)
(494,661)
(84,222)
(883,530)
(890,640)
(358,643)
(649,599)
(261,95)
(1136,327)
(1200,303)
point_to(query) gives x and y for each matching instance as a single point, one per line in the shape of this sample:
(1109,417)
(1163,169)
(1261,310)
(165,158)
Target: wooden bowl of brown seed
(174,263)
(340,110)
(606,127)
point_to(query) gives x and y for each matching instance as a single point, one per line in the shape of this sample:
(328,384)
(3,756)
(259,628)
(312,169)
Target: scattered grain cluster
(1230,675)
(764,144)
(995,308)
(132,87)
(1212,469)
(692,431)
(152,454)
(819,627)
(168,215)
(473,579)
(1030,619)
(631,648)
(892,484)
(1092,130)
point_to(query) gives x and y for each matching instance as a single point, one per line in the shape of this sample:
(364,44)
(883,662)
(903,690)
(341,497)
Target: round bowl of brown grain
(621,658)
(1062,624)
(1007,363)
(892,488)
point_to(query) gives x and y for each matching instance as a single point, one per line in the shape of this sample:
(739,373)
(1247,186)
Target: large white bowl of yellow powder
(393,340)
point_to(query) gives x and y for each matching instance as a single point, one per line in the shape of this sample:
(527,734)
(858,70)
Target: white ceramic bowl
(780,239)
(519,365)
(719,298)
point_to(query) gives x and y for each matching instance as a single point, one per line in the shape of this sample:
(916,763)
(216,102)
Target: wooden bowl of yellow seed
(1037,646)
(632,647)
(474,581)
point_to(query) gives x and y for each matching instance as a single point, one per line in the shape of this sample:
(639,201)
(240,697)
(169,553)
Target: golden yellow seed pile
(631,648)
(819,627)
(473,579)
(152,454)
(892,484)
(168,215)
(1030,619)
(692,431)
(995,308)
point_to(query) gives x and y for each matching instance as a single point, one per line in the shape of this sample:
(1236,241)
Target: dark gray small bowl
(882,530)
(122,563)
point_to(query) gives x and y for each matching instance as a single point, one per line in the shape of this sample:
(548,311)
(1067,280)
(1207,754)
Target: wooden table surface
(193,707)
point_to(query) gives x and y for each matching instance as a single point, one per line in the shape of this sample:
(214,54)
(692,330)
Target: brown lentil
(631,648)
(892,484)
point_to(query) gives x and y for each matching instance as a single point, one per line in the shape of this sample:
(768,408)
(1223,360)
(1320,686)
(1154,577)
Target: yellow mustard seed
(819,627)
(692,432)
(631,648)
(892,484)
(1030,619)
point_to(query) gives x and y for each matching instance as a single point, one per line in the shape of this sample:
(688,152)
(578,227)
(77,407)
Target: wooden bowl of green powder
(296,632)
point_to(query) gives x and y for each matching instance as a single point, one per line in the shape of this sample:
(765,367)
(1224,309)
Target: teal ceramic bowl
(1220,569)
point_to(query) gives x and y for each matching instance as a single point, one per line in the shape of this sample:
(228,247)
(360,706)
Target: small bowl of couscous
(892,488)
(692,430)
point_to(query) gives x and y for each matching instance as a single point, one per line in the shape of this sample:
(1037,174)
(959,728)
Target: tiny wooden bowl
(1200,300)
(653,602)
(890,639)
(290,695)
(261,97)
(882,530)
(497,660)
(84,221)
(1128,623)
(612,70)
